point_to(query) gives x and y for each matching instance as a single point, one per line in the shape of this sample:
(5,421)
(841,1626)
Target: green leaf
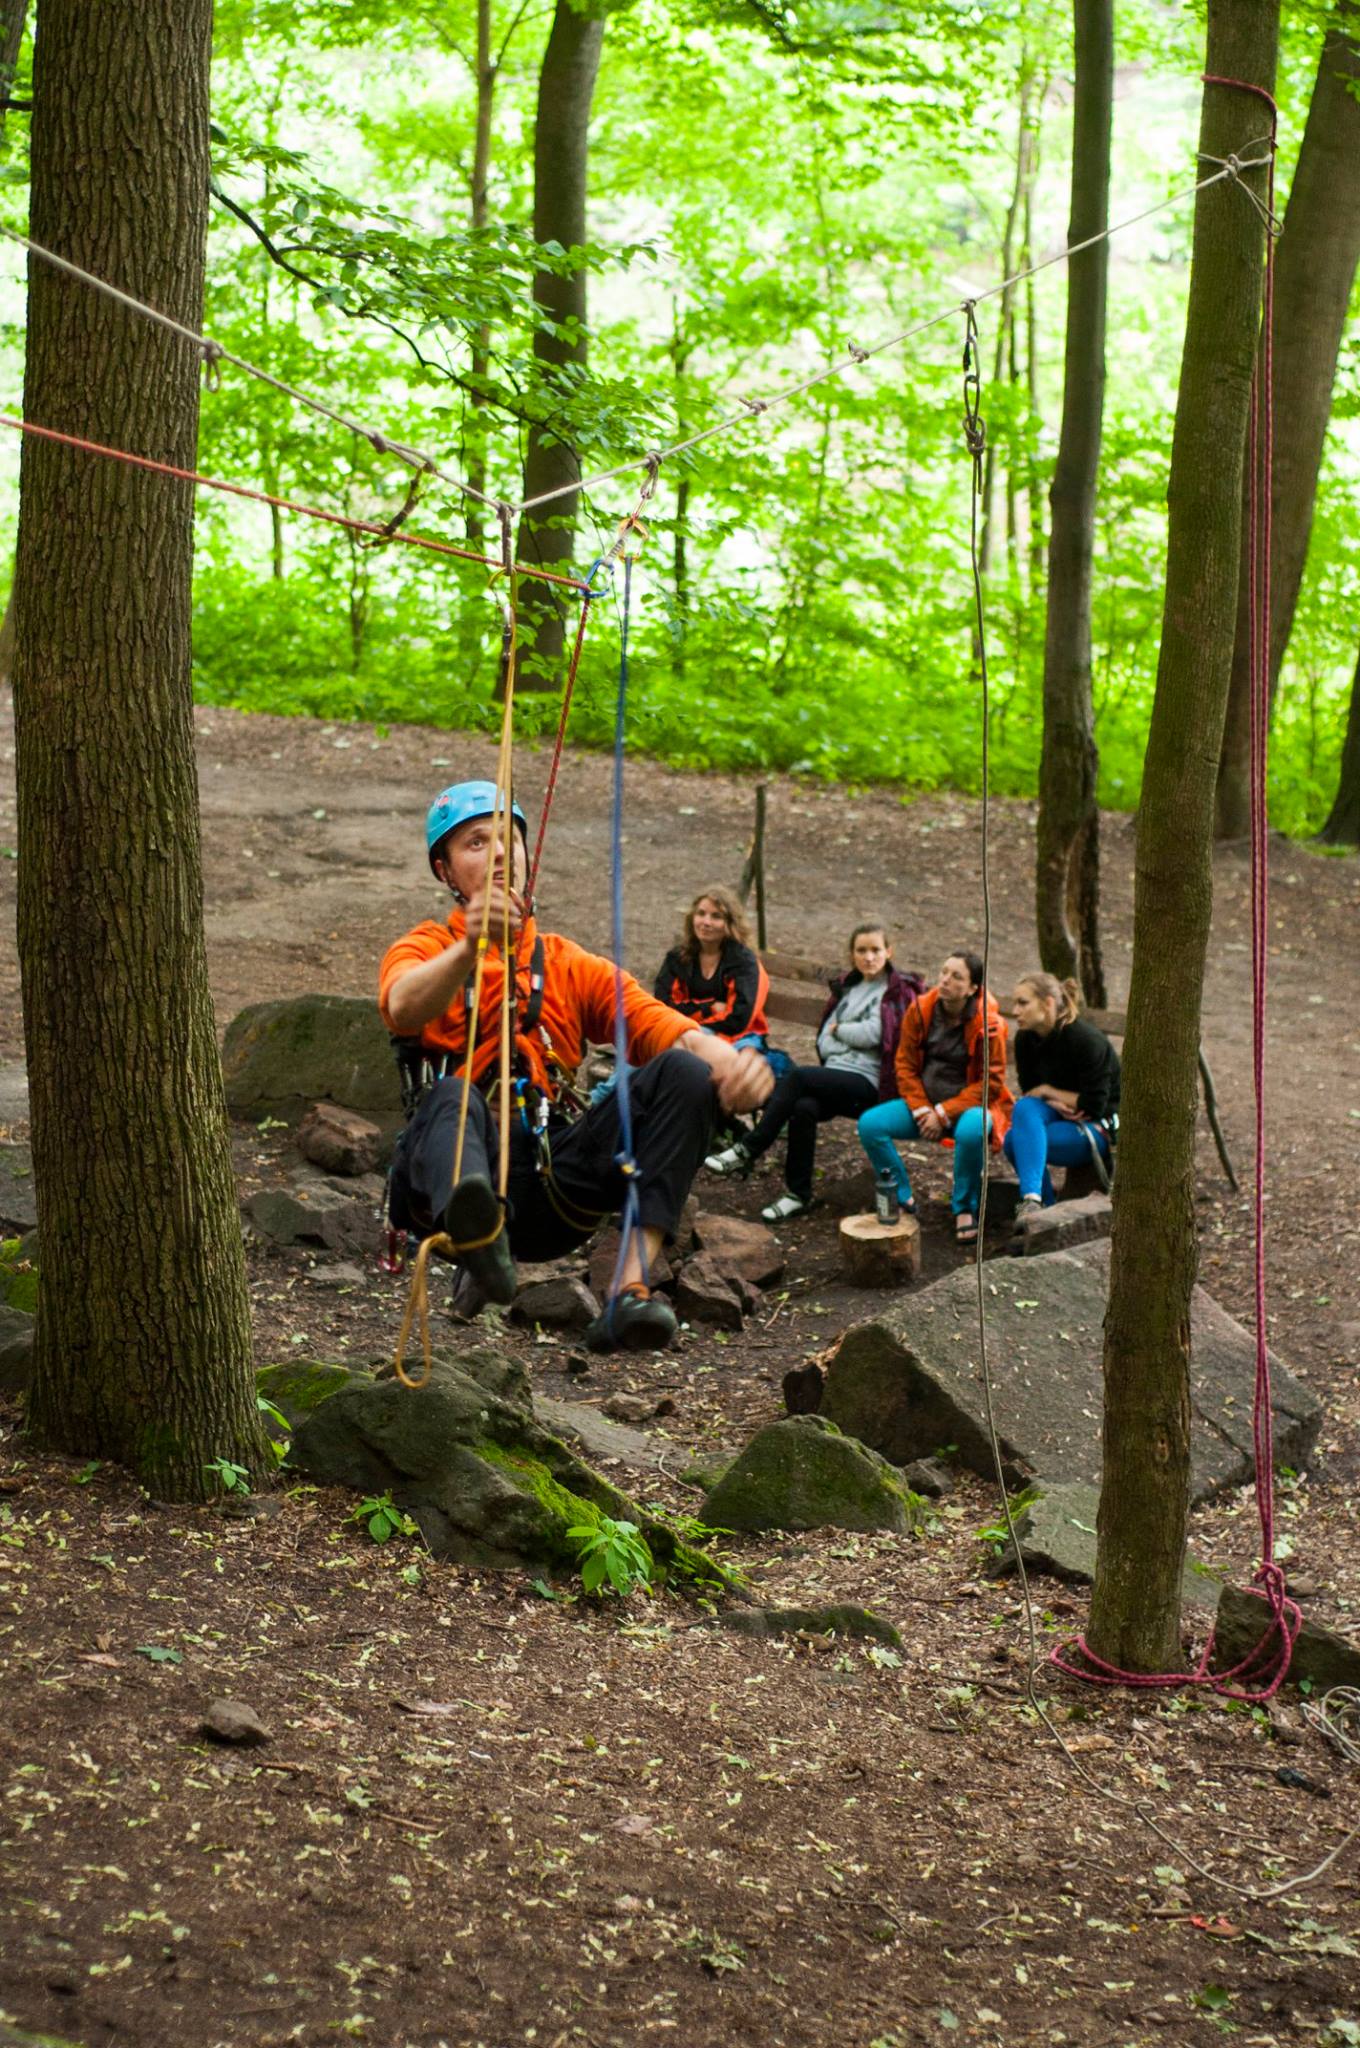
(158,1654)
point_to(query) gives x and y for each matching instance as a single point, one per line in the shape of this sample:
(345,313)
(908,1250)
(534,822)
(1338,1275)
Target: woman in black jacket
(712,975)
(1067,1106)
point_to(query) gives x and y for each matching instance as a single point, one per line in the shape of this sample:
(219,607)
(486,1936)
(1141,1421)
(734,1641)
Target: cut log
(881,1254)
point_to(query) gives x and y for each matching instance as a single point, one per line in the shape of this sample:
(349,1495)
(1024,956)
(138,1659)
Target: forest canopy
(767,188)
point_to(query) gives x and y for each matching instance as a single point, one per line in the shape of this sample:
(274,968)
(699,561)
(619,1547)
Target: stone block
(802,1473)
(1065,1224)
(702,1295)
(338,1140)
(280,1057)
(738,1249)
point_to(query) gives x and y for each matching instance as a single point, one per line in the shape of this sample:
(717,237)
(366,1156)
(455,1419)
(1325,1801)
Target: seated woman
(1068,1110)
(856,1042)
(941,1063)
(711,975)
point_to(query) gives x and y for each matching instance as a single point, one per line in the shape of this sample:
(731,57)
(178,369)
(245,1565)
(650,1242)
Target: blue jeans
(602,1090)
(883,1127)
(1040,1136)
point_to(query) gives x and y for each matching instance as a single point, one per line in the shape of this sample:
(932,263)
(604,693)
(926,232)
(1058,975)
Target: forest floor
(486,1817)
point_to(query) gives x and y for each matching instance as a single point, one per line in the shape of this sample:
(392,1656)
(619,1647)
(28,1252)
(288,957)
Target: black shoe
(472,1215)
(633,1322)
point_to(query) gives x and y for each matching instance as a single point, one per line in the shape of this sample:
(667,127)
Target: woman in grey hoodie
(865,1010)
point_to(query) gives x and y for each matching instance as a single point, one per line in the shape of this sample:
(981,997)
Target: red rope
(215,483)
(1264,1668)
(548,793)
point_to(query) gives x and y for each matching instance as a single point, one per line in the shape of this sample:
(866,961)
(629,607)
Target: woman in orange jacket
(941,1063)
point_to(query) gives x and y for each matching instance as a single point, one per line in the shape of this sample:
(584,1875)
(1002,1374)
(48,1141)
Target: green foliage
(232,1478)
(18,1278)
(383,1519)
(612,1552)
(278,1444)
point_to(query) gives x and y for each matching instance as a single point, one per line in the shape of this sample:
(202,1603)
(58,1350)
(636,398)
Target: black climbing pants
(802,1099)
(548,1213)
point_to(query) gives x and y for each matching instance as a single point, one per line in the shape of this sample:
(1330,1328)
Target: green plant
(383,1519)
(230,1477)
(613,1551)
(996,1535)
(279,1445)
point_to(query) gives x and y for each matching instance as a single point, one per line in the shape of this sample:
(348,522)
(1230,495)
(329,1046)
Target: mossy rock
(801,1473)
(842,1619)
(18,1276)
(486,1484)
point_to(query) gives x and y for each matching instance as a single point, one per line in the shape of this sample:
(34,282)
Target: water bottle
(887,1208)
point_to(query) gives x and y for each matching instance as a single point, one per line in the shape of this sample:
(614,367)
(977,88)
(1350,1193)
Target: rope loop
(858,354)
(755,406)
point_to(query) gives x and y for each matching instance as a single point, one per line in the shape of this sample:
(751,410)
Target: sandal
(965,1228)
(785,1209)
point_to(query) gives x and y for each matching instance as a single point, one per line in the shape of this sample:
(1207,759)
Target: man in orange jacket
(565,1177)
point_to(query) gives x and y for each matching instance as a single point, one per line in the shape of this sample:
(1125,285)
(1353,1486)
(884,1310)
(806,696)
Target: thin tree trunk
(1343,820)
(1013,213)
(561,153)
(1316,264)
(680,556)
(12,21)
(143,1351)
(481,348)
(1135,1607)
(1067,866)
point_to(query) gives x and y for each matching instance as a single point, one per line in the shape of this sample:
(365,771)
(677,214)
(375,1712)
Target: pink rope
(1260,1674)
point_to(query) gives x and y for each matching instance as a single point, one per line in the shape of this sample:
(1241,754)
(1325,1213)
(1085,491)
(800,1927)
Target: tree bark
(1343,820)
(1319,251)
(1135,1607)
(561,152)
(143,1351)
(480,366)
(1067,865)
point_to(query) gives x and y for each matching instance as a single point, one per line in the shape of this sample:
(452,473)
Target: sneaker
(1026,1209)
(734,1162)
(635,1320)
(785,1209)
(474,1212)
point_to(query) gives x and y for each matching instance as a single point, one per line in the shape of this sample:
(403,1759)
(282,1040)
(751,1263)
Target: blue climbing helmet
(457,804)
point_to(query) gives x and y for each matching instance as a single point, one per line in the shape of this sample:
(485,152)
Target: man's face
(462,866)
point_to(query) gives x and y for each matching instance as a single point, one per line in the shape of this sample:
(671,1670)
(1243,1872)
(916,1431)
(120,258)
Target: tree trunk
(1067,868)
(1319,251)
(143,1350)
(1343,820)
(1135,1607)
(476,438)
(1014,209)
(12,21)
(565,90)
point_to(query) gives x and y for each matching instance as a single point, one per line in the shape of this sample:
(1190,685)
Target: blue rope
(630,1224)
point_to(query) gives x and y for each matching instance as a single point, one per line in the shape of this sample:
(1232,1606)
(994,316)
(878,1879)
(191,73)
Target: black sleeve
(668,974)
(743,971)
(1026,1061)
(1086,1066)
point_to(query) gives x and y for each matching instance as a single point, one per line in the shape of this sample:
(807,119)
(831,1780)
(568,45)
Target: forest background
(764,191)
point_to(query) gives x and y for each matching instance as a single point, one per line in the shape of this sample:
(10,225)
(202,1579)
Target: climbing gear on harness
(458,805)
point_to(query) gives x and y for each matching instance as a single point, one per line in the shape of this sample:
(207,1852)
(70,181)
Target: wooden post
(881,1254)
(758,861)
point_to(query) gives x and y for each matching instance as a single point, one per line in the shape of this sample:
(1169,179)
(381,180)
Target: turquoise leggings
(882,1128)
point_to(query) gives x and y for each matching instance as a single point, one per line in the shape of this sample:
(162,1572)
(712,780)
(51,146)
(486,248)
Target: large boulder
(484,1481)
(1056,1533)
(909,1381)
(18,1202)
(313,1212)
(279,1058)
(801,1473)
(1320,1659)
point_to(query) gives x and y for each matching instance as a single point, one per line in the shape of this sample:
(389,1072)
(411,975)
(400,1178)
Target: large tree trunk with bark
(1318,254)
(565,91)
(143,1348)
(1135,1608)
(1343,820)
(1067,866)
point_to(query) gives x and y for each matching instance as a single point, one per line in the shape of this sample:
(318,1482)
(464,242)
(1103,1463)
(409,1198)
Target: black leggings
(802,1099)
(672,1104)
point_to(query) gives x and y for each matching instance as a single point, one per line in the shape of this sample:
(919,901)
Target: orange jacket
(911,1047)
(578,1003)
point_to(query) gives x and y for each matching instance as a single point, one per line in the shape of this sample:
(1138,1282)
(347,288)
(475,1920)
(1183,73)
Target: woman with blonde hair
(1067,1113)
(711,974)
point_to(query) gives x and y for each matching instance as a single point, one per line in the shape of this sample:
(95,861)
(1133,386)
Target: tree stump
(881,1254)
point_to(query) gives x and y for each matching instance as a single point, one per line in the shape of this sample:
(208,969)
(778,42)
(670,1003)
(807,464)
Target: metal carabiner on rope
(974,426)
(632,527)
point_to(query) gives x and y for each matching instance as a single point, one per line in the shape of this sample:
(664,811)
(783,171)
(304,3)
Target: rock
(13,1092)
(555,1304)
(704,1471)
(703,1296)
(802,1473)
(278,1058)
(610,1441)
(312,1212)
(909,1380)
(929,1478)
(342,1275)
(338,1140)
(1057,1534)
(296,1388)
(18,1202)
(803,1389)
(233,1721)
(604,1257)
(1319,1654)
(16,1350)
(372,1187)
(859,1622)
(1065,1224)
(485,1482)
(738,1249)
(634,1408)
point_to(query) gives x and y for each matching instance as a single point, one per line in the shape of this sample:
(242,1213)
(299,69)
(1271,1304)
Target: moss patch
(18,1278)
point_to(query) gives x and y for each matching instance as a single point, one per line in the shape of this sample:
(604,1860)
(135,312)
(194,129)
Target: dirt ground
(489,1817)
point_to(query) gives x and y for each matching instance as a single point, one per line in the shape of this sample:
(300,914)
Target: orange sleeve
(652,1027)
(910,1049)
(422,944)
